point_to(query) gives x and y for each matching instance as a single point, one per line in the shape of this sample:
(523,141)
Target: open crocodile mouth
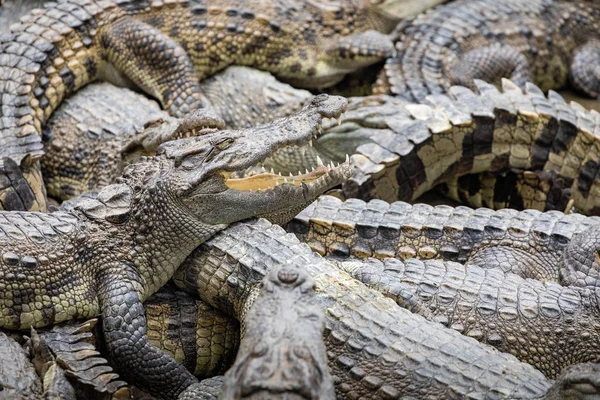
(259,179)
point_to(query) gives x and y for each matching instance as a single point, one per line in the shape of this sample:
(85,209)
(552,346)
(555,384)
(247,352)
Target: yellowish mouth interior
(265,181)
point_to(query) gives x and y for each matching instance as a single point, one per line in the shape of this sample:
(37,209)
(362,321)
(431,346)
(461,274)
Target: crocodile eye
(222,143)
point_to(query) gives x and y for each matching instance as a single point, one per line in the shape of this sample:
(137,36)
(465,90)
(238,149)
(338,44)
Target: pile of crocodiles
(245,226)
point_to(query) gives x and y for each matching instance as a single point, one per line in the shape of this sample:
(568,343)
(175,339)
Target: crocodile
(201,338)
(18,379)
(282,354)
(513,188)
(164,47)
(403,150)
(544,324)
(124,245)
(376,349)
(95,132)
(547,42)
(549,246)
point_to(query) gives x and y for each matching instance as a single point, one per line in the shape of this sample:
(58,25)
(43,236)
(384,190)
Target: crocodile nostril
(287,276)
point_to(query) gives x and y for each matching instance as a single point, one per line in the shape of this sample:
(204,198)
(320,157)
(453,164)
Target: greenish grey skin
(403,150)
(97,131)
(376,349)
(549,246)
(206,389)
(164,47)
(543,324)
(547,42)
(18,379)
(282,354)
(124,245)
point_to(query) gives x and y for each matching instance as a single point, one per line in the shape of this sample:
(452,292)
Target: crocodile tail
(48,55)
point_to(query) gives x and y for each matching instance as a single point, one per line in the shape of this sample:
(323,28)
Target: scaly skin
(18,379)
(402,151)
(282,354)
(544,324)
(195,334)
(203,339)
(518,189)
(549,246)
(377,350)
(164,47)
(95,132)
(547,42)
(121,247)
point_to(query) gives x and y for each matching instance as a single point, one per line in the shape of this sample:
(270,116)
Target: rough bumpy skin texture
(514,188)
(95,132)
(200,337)
(541,41)
(376,349)
(544,324)
(577,382)
(401,151)
(282,354)
(164,47)
(18,379)
(207,389)
(203,339)
(70,350)
(112,252)
(528,243)
(89,138)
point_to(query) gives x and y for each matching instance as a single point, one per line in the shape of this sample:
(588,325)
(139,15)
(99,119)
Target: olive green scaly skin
(549,246)
(95,132)
(401,151)
(376,349)
(203,339)
(110,253)
(543,324)
(164,47)
(547,42)
(195,334)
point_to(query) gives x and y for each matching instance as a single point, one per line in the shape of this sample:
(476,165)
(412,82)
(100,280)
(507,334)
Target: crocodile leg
(490,64)
(124,328)
(584,71)
(164,70)
(544,324)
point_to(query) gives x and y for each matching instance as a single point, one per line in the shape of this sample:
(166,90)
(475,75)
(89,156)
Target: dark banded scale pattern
(376,349)
(529,243)
(547,42)
(448,136)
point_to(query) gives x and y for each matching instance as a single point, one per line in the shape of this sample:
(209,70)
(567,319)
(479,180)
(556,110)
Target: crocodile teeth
(339,120)
(319,162)
(310,143)
(347,158)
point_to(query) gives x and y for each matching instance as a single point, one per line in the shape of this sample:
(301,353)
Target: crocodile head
(208,172)
(339,36)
